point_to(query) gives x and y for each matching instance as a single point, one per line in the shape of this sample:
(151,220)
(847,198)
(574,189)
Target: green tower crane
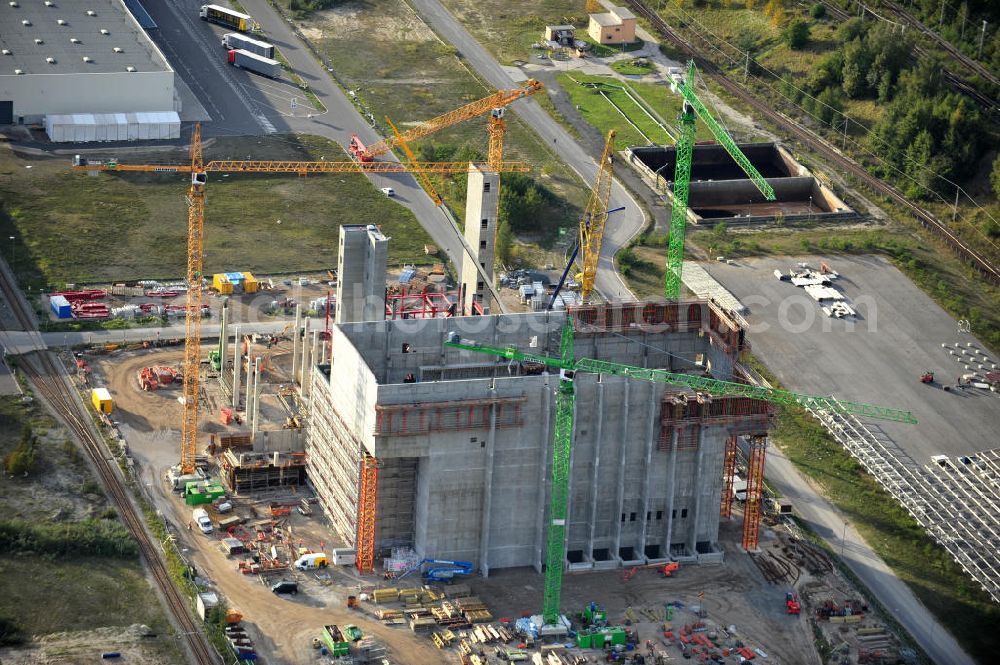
(691,108)
(568,365)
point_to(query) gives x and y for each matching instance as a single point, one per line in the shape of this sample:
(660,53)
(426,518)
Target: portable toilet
(101,399)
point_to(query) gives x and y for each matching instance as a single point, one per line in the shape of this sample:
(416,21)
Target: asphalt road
(621,227)
(892,592)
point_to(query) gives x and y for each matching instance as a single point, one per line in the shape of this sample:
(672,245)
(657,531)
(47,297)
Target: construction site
(467,461)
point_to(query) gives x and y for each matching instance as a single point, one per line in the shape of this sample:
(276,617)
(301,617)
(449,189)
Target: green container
(584,639)
(199,493)
(617,635)
(333,638)
(597,641)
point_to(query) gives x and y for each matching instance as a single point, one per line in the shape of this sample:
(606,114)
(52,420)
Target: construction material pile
(818,284)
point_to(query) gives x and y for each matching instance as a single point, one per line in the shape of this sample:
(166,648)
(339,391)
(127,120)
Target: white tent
(89,127)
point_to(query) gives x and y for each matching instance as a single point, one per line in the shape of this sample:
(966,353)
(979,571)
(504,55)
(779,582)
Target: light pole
(11,252)
(843,540)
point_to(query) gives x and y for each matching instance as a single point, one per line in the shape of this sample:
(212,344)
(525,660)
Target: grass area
(927,568)
(72,227)
(508,28)
(78,593)
(633,67)
(396,66)
(663,105)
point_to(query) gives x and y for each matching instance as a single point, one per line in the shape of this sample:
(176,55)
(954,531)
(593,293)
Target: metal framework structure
(591,236)
(425,182)
(755,492)
(368,496)
(300,167)
(568,365)
(497,100)
(728,473)
(693,107)
(192,317)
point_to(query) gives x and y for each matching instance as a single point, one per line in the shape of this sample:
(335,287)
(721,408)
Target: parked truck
(234,40)
(255,63)
(227,17)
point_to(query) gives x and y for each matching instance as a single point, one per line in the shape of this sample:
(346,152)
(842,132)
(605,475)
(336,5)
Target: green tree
(505,243)
(818,11)
(796,34)
(995,176)
(21,460)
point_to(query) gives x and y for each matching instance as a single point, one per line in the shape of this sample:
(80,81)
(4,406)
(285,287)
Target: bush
(21,460)
(796,34)
(86,538)
(10,633)
(818,11)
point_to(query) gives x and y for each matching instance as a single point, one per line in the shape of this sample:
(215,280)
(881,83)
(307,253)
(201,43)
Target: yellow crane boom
(594,218)
(497,100)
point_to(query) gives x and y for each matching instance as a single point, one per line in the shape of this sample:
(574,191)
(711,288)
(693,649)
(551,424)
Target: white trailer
(234,40)
(255,63)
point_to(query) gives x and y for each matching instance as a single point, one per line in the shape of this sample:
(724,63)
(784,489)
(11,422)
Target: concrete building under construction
(412,443)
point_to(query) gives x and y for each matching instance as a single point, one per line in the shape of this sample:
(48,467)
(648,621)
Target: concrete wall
(361,267)
(466,460)
(35,95)
(480,232)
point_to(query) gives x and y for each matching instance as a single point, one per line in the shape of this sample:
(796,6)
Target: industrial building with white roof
(78,56)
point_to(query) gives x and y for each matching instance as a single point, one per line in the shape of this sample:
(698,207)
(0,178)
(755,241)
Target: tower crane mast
(692,108)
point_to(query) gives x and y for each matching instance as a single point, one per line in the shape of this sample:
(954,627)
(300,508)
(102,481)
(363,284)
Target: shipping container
(61,307)
(255,63)
(233,40)
(89,127)
(226,17)
(101,399)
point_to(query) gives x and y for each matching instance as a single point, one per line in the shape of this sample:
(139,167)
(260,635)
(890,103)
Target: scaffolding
(728,473)
(366,514)
(245,473)
(755,492)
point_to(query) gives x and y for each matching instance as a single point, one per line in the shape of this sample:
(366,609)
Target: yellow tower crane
(199,170)
(592,226)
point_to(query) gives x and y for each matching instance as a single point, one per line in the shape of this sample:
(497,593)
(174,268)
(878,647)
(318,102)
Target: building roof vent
(91,12)
(18,72)
(6,51)
(60,21)
(104,32)
(86,58)
(14,4)
(130,69)
(74,40)
(25,21)
(49,3)
(51,61)
(39,41)
(117,50)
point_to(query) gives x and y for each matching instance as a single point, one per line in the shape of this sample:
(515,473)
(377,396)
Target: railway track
(913,22)
(830,154)
(49,379)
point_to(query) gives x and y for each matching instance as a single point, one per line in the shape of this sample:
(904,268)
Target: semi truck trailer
(255,63)
(234,40)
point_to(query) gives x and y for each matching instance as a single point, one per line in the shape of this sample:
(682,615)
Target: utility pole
(746,68)
(954,211)
(965,17)
(982,34)
(941,19)
(844,146)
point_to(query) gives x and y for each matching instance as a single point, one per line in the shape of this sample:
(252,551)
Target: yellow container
(222,284)
(101,399)
(250,284)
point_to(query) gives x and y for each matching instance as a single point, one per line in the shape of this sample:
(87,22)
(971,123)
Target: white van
(201,518)
(312,561)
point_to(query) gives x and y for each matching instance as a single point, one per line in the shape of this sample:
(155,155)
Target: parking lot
(238,102)
(878,359)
